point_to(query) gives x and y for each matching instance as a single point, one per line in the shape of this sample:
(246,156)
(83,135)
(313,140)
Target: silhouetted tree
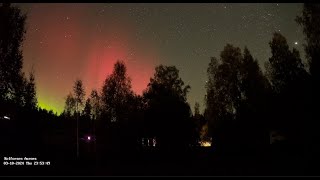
(199,122)
(289,81)
(310,22)
(86,124)
(196,109)
(168,113)
(285,66)
(12,33)
(95,112)
(224,96)
(116,94)
(79,95)
(213,106)
(30,92)
(136,111)
(236,93)
(95,104)
(17,93)
(255,92)
(87,111)
(69,108)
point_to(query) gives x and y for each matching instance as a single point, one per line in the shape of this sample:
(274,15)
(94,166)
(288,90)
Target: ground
(196,162)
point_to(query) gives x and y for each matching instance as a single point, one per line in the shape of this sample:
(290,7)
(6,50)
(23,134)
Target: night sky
(69,41)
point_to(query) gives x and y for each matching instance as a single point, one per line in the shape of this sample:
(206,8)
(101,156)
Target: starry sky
(69,41)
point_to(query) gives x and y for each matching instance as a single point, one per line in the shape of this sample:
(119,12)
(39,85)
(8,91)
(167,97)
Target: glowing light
(154,142)
(6,117)
(296,43)
(89,138)
(50,105)
(71,55)
(205,143)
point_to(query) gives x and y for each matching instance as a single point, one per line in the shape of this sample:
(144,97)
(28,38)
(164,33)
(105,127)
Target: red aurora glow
(62,47)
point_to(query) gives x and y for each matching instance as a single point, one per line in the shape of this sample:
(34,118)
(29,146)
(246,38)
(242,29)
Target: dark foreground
(150,162)
(60,151)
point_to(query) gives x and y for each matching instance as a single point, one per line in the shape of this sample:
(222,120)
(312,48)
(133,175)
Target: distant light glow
(154,142)
(205,143)
(296,43)
(49,103)
(89,138)
(6,117)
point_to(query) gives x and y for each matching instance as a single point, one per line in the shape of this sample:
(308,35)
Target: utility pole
(77,137)
(77,130)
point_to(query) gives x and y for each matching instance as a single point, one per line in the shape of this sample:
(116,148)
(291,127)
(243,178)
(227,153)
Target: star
(184,36)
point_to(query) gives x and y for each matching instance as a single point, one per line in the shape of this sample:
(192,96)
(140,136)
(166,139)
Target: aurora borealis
(69,41)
